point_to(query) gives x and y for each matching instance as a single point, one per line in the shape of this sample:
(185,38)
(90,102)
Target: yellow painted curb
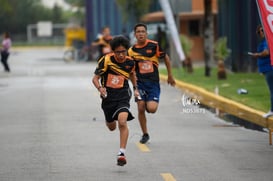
(226,105)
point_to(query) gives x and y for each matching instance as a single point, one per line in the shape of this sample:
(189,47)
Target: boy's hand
(103,92)
(171,80)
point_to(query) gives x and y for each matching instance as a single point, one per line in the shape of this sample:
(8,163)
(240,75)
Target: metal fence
(56,37)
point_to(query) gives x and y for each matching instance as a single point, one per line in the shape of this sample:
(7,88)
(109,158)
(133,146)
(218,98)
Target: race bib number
(145,67)
(115,81)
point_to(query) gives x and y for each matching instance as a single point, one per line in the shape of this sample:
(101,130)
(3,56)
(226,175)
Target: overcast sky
(50,3)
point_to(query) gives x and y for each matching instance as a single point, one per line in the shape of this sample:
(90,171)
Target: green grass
(258,94)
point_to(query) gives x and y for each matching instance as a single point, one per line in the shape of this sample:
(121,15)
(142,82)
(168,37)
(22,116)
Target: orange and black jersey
(115,75)
(104,45)
(147,60)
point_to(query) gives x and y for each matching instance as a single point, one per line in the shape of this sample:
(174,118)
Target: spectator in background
(6,44)
(103,41)
(264,64)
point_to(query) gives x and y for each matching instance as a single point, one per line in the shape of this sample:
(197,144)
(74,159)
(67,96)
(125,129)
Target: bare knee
(111,126)
(111,129)
(122,122)
(151,110)
(141,108)
(151,107)
(122,125)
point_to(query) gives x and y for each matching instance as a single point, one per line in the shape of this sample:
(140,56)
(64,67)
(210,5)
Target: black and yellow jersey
(104,45)
(115,75)
(147,60)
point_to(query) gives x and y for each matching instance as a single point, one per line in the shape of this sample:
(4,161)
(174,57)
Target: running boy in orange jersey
(146,54)
(103,41)
(111,80)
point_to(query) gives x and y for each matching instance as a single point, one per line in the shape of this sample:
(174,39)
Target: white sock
(121,150)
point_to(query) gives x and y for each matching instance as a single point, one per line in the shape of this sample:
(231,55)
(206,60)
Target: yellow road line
(167,177)
(143,147)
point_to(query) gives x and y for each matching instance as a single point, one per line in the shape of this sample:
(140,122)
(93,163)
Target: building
(237,20)
(190,22)
(190,12)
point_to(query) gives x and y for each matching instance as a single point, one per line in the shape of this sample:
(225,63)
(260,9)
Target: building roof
(159,16)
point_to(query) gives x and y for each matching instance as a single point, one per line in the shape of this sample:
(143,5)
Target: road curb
(226,105)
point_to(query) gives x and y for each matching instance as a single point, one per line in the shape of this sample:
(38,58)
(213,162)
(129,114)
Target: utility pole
(175,40)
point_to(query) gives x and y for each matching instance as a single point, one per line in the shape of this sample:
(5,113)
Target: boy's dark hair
(140,24)
(119,41)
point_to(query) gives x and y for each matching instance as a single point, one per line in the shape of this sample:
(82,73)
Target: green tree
(135,8)
(79,14)
(57,14)
(77,3)
(16,15)
(221,52)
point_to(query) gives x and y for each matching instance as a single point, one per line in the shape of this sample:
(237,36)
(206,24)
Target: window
(194,28)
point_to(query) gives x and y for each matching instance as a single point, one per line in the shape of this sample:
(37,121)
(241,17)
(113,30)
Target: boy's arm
(134,82)
(167,61)
(96,83)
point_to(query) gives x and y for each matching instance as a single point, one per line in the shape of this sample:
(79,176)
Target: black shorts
(112,109)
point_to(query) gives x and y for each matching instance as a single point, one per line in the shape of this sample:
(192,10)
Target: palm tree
(187,45)
(221,54)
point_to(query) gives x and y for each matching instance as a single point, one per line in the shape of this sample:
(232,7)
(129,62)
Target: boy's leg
(141,116)
(123,128)
(151,106)
(111,125)
(108,110)
(143,121)
(124,133)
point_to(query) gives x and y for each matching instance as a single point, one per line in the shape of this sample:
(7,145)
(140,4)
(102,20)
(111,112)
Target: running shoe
(144,139)
(121,160)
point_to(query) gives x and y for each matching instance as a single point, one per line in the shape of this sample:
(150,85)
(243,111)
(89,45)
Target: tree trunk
(221,72)
(208,36)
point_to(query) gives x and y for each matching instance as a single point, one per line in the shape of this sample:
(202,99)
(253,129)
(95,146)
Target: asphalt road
(52,129)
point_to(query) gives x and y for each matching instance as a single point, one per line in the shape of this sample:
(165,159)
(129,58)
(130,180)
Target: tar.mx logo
(191,105)
(189,101)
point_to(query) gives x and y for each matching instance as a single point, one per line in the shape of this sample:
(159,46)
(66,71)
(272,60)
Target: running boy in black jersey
(111,80)
(146,54)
